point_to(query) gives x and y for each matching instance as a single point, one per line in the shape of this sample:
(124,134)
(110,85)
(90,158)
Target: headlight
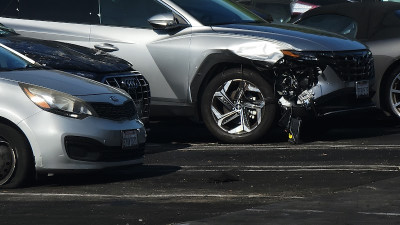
(308,56)
(57,102)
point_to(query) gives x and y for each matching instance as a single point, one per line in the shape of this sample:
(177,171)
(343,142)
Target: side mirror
(165,21)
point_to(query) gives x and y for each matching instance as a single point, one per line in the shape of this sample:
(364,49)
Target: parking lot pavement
(376,203)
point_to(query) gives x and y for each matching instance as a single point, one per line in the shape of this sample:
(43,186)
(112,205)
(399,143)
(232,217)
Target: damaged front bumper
(322,83)
(325,83)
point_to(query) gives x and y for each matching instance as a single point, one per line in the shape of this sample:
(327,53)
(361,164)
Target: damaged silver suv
(213,59)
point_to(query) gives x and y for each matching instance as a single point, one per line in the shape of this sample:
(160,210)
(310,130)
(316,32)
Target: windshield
(217,12)
(10,61)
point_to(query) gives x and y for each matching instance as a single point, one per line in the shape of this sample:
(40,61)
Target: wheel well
(384,78)
(218,68)
(11,124)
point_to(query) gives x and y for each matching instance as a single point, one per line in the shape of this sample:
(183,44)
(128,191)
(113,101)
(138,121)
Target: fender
(213,64)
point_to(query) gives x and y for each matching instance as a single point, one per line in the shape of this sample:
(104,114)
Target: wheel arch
(395,65)
(8,122)
(214,64)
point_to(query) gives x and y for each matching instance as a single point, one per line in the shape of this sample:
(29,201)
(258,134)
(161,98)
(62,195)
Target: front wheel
(237,106)
(391,90)
(16,160)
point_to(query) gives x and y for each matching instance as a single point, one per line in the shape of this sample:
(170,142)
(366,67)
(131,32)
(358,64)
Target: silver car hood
(59,81)
(301,38)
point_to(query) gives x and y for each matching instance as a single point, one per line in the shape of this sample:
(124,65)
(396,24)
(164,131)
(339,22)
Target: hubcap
(395,95)
(237,106)
(7,162)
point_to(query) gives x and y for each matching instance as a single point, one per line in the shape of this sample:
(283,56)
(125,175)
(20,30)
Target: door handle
(106,47)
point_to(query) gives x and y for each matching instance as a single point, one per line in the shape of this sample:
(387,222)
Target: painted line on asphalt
(355,168)
(320,211)
(380,213)
(64,195)
(269,147)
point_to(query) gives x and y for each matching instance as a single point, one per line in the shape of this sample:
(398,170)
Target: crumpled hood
(64,56)
(300,37)
(59,81)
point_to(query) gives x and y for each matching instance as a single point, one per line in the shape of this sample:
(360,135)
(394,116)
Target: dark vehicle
(279,10)
(301,6)
(378,26)
(286,10)
(90,63)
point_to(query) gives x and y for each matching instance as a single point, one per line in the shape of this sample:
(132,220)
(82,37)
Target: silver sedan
(52,121)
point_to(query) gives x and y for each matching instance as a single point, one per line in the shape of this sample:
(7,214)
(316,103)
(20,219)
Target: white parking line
(307,211)
(147,196)
(355,168)
(380,213)
(269,147)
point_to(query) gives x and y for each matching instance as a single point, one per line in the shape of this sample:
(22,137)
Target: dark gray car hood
(66,57)
(301,38)
(59,81)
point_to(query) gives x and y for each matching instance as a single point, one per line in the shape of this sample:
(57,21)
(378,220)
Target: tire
(16,159)
(236,106)
(391,93)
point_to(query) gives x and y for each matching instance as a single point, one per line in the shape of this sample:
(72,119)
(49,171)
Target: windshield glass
(217,12)
(10,61)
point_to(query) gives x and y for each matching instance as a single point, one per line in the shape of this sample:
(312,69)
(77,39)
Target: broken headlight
(296,73)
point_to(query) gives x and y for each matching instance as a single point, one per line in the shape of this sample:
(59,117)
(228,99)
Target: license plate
(362,89)
(129,139)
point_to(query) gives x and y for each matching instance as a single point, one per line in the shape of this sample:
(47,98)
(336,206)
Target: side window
(9,8)
(388,28)
(333,23)
(71,11)
(129,13)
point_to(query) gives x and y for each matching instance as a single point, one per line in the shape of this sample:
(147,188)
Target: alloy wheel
(237,106)
(395,95)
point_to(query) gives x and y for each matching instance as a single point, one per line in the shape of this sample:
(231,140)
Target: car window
(129,13)
(216,12)
(71,11)
(334,23)
(389,27)
(9,61)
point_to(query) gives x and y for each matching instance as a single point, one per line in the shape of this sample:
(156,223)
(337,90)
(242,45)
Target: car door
(161,56)
(52,20)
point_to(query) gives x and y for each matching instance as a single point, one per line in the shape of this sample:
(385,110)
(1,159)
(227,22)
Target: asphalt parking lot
(345,172)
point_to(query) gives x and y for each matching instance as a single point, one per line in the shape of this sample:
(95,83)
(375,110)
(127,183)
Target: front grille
(138,88)
(109,111)
(90,150)
(352,65)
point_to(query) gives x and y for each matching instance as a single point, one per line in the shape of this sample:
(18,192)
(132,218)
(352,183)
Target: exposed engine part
(291,124)
(292,78)
(294,83)
(306,98)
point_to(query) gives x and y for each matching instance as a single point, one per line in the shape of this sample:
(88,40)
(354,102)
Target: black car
(90,63)
(287,10)
(378,26)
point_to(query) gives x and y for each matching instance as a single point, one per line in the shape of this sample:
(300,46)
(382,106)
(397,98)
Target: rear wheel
(236,106)
(16,160)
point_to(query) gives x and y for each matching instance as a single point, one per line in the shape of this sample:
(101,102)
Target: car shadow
(373,124)
(177,133)
(106,176)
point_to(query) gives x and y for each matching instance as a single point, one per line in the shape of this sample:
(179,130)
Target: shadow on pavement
(178,131)
(107,176)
